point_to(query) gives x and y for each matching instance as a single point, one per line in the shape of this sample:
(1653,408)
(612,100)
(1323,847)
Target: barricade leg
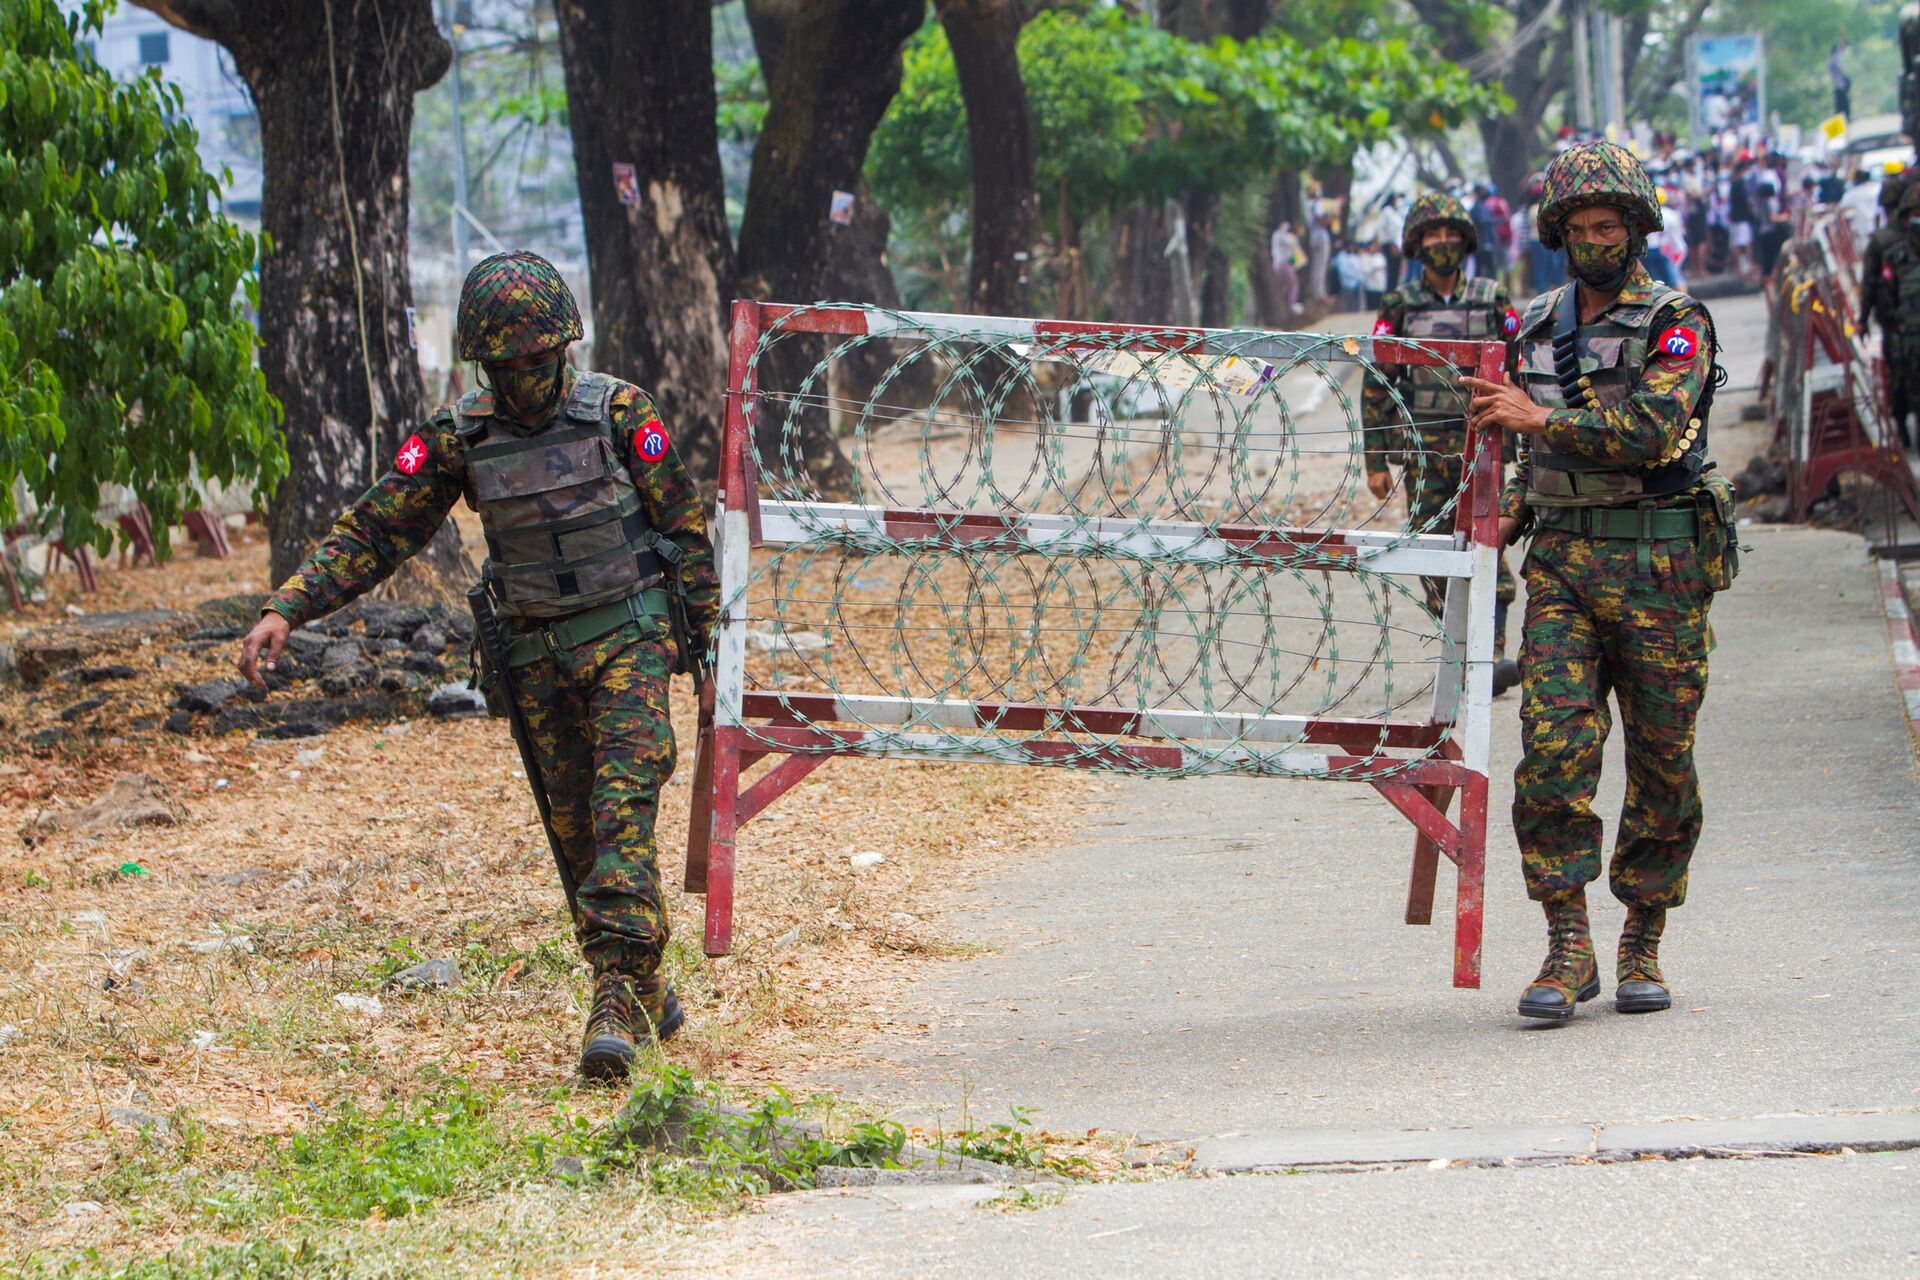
(723,804)
(1470,895)
(1426,862)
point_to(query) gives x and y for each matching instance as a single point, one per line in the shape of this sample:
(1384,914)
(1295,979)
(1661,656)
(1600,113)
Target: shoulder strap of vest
(1414,294)
(589,398)
(1540,310)
(1483,289)
(472,411)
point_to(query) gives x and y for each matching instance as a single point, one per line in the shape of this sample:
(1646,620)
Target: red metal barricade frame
(759,725)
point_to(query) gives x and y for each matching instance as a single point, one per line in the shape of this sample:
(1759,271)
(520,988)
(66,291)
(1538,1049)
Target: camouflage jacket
(1876,283)
(1651,420)
(405,507)
(1491,314)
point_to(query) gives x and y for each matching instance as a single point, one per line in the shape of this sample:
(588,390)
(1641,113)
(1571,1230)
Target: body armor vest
(562,516)
(1610,354)
(1433,391)
(1902,293)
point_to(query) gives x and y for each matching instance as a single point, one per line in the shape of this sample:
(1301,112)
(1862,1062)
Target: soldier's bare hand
(1509,530)
(1380,484)
(270,634)
(1503,405)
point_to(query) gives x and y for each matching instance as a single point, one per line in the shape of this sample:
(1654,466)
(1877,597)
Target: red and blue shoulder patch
(1510,323)
(1677,344)
(650,440)
(1383,328)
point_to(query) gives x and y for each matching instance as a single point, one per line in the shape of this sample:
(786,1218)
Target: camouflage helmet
(1436,209)
(1596,173)
(514,304)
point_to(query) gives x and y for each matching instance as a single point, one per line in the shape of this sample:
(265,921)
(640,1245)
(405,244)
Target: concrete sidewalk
(1225,956)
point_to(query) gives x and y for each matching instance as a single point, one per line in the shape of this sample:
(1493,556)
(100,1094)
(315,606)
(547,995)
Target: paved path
(1219,964)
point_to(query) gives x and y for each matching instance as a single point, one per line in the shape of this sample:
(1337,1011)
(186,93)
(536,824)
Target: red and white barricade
(1112,547)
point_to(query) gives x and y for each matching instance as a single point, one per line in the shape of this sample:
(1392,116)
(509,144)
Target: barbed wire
(1180,533)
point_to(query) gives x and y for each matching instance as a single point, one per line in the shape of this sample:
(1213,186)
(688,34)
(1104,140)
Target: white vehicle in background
(1874,143)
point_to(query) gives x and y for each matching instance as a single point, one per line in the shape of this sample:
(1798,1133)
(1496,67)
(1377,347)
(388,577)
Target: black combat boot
(1506,672)
(660,1008)
(1642,989)
(1569,976)
(606,1051)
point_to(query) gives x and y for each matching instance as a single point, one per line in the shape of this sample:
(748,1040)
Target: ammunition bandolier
(564,526)
(1595,367)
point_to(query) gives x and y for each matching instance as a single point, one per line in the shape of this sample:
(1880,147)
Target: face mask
(527,393)
(1600,266)
(1445,257)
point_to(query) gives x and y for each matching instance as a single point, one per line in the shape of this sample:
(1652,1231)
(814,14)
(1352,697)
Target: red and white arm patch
(1383,328)
(1510,323)
(1677,344)
(412,456)
(650,440)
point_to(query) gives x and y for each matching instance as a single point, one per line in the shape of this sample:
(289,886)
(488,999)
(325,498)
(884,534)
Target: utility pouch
(1719,537)
(487,681)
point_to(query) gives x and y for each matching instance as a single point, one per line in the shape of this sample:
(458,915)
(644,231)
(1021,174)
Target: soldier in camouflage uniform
(1880,300)
(1614,383)
(1418,418)
(586,508)
(1890,292)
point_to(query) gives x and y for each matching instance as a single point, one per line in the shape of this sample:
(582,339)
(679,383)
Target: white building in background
(133,41)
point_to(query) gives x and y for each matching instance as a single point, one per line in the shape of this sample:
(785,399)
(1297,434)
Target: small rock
(861,861)
(83,1208)
(128,1118)
(213,946)
(390,618)
(197,757)
(454,699)
(180,722)
(220,784)
(8,1034)
(210,696)
(219,633)
(366,1006)
(203,1040)
(75,611)
(134,800)
(295,728)
(429,975)
(81,708)
(569,1167)
(429,639)
(790,938)
(235,879)
(425,663)
(244,716)
(98,675)
(902,919)
(395,730)
(46,739)
(307,643)
(309,755)
(761,641)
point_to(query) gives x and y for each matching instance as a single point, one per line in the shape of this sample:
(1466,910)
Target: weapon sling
(493,646)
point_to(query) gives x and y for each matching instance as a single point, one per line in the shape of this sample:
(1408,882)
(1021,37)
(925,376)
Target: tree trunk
(334,82)
(1140,290)
(1212,269)
(663,269)
(984,36)
(829,80)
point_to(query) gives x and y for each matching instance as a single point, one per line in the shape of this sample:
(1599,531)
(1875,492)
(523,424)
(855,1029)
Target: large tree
(334,82)
(831,67)
(663,268)
(125,353)
(984,36)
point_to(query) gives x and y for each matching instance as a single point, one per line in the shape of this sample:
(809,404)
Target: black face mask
(1443,258)
(528,393)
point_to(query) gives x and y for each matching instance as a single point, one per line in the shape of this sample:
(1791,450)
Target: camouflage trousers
(597,717)
(1433,479)
(1596,623)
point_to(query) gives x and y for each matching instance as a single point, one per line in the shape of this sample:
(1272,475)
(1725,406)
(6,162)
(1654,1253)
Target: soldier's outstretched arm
(672,503)
(394,519)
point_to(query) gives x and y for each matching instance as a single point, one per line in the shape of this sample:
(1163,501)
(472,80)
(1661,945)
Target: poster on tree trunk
(626,183)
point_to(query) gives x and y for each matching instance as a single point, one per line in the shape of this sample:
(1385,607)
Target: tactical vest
(562,516)
(1612,352)
(1433,391)
(1902,293)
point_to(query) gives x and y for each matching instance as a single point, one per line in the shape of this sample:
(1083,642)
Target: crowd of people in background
(1729,209)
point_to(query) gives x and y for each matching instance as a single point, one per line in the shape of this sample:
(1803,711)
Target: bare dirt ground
(188,973)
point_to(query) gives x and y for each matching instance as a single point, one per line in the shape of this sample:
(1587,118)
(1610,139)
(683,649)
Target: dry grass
(202,989)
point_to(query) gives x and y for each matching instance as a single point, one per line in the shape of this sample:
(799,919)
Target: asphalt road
(1220,964)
